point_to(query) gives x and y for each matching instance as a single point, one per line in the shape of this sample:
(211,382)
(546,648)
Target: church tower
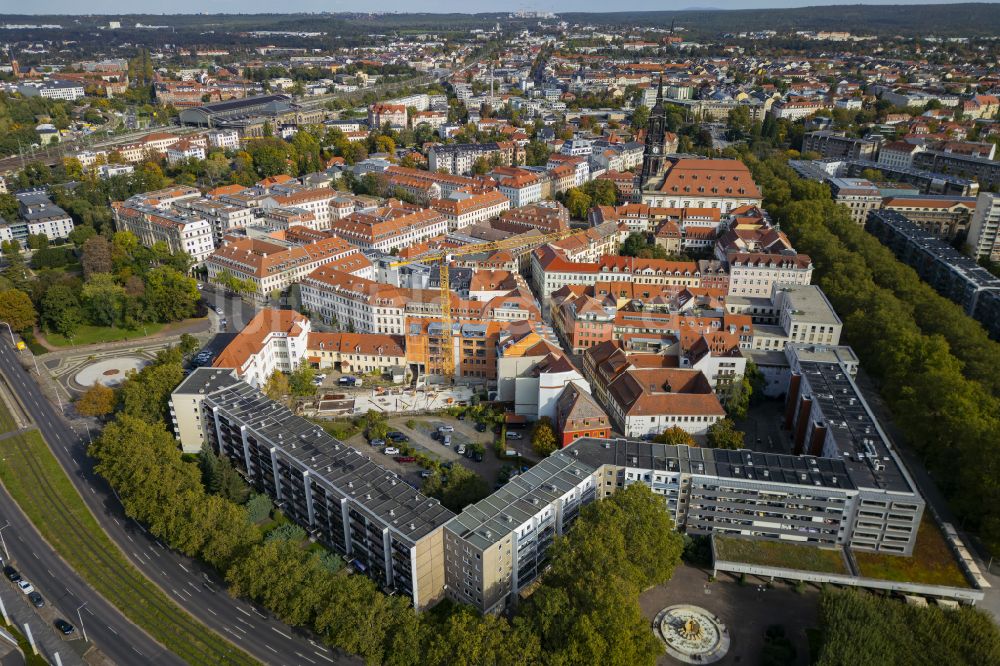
(656,139)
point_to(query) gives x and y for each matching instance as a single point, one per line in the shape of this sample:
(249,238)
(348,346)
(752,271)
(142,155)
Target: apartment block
(755,274)
(859,195)
(394,226)
(951,273)
(792,314)
(943,216)
(272,340)
(181,231)
(836,144)
(984,229)
(382,526)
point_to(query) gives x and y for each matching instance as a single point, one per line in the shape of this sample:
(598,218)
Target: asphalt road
(187,582)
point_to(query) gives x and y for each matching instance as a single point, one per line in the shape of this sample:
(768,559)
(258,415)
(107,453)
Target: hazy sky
(261,6)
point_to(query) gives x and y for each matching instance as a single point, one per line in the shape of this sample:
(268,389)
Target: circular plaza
(692,634)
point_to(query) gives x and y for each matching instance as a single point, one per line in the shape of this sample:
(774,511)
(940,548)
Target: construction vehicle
(444,257)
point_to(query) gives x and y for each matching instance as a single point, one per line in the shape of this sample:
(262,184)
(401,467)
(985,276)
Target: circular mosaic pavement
(692,634)
(110,372)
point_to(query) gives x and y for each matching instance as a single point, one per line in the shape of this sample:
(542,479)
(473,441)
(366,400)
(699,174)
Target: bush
(288,531)
(259,508)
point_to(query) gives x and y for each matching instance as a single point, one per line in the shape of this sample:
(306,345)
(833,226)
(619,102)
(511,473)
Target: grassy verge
(7,423)
(97,559)
(781,554)
(89,335)
(932,562)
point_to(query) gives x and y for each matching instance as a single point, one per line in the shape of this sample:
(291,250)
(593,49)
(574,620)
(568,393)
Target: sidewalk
(49,642)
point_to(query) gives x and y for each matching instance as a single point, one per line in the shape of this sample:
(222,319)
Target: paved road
(184,580)
(118,638)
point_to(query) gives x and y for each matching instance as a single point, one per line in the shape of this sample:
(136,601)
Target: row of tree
(585,610)
(862,628)
(934,366)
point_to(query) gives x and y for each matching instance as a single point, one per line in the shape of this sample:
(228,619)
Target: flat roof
(864,448)
(205,380)
(488,521)
(375,490)
(808,302)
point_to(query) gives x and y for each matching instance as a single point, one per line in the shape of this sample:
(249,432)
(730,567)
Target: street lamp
(4,543)
(79,616)
(12,341)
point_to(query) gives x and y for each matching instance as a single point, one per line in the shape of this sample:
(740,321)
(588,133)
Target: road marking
(239,619)
(183,567)
(239,629)
(137,651)
(196,588)
(243,611)
(178,594)
(299,654)
(211,611)
(33,555)
(317,646)
(111,629)
(129,537)
(275,629)
(163,572)
(116,520)
(323,657)
(270,648)
(258,612)
(88,610)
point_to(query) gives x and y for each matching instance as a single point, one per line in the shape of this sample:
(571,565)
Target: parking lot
(420,439)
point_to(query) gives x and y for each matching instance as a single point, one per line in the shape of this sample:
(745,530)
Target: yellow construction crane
(444,257)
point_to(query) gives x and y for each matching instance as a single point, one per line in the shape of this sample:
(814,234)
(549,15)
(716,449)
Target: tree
(8,206)
(171,295)
(300,381)
(103,299)
(376,425)
(723,435)
(61,310)
(38,241)
(738,401)
(675,435)
(17,310)
(640,117)
(145,394)
(578,203)
(460,488)
(188,344)
(480,166)
(543,437)
(96,256)
(98,400)
(277,387)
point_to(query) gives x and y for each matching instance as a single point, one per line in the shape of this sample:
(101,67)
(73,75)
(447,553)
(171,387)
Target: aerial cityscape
(538,335)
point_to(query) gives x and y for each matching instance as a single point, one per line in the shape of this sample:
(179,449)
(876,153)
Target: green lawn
(41,488)
(772,553)
(7,423)
(932,562)
(89,335)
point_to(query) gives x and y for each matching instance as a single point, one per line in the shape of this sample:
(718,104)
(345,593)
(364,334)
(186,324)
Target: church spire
(659,94)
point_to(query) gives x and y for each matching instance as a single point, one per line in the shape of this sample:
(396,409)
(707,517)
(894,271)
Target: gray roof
(343,470)
(206,380)
(865,449)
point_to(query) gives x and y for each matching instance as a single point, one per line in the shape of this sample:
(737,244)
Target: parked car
(446,428)
(347,381)
(391,451)
(320,376)
(426,474)
(436,435)
(513,435)
(460,449)
(461,417)
(218,311)
(446,440)
(377,442)
(36,599)
(478,457)
(480,427)
(510,453)
(65,627)
(25,586)
(397,437)
(201,286)
(405,459)
(11,574)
